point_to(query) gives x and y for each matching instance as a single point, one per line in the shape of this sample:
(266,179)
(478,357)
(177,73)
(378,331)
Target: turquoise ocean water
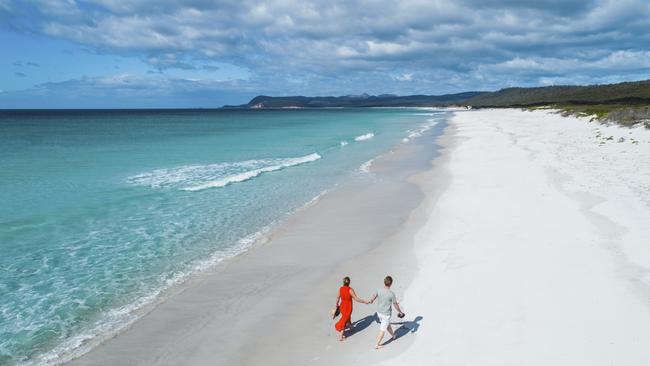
(101,211)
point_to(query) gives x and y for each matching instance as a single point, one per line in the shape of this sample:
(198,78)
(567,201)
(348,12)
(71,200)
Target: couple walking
(385,301)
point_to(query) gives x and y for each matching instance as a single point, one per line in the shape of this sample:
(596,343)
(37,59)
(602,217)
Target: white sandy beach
(538,253)
(529,246)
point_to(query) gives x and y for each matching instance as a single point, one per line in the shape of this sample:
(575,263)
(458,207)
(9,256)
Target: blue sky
(200,53)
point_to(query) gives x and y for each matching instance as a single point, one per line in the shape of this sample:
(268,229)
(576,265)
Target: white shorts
(384,321)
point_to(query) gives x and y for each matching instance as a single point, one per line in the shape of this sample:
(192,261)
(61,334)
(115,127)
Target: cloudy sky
(202,53)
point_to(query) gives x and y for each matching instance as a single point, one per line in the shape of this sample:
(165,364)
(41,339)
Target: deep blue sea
(101,211)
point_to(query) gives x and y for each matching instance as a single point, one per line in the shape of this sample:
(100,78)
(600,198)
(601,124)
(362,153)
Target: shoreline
(380,261)
(395,256)
(147,340)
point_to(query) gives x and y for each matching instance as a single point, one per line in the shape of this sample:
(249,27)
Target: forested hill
(628,93)
(633,93)
(356,101)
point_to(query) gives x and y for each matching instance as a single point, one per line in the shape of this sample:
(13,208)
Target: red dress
(345,306)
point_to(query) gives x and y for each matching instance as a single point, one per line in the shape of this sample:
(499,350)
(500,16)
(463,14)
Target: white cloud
(613,62)
(317,46)
(403,77)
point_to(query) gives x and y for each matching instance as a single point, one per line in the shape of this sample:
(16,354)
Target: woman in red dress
(344,302)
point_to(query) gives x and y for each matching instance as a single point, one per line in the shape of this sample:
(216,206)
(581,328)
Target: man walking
(385,300)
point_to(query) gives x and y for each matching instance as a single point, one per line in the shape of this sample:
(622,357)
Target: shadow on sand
(406,327)
(361,325)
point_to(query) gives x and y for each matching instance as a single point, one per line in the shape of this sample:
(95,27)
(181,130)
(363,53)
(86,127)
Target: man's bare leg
(379,338)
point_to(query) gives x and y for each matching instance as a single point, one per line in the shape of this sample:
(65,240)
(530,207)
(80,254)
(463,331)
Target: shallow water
(103,210)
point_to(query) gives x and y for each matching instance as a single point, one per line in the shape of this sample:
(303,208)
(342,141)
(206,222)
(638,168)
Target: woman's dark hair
(346,281)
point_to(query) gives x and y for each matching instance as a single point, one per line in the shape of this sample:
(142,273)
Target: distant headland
(626,103)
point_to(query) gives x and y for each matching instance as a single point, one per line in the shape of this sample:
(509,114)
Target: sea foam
(365,167)
(364,137)
(236,178)
(420,130)
(199,177)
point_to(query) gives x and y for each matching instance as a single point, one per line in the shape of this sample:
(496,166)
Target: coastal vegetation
(622,114)
(625,103)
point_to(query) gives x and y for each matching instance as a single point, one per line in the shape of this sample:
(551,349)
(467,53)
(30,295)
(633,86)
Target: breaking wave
(199,177)
(364,137)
